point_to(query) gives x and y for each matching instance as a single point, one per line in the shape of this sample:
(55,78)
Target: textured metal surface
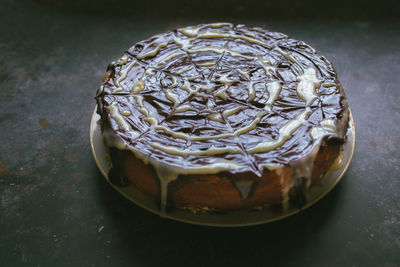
(56,209)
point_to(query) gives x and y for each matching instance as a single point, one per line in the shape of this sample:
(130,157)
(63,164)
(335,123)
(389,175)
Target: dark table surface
(57,210)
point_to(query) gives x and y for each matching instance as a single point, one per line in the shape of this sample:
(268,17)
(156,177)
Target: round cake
(220,117)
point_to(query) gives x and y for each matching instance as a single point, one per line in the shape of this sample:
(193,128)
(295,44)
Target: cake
(220,117)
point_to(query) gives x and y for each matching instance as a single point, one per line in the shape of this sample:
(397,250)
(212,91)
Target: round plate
(232,218)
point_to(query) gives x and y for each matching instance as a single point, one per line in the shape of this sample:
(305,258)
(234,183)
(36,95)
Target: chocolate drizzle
(219,97)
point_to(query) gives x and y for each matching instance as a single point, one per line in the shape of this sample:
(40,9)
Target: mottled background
(57,210)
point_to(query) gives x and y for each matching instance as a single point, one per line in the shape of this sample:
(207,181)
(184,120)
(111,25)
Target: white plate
(233,218)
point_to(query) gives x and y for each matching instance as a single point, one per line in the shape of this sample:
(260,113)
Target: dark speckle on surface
(71,157)
(79,176)
(56,209)
(6,116)
(3,166)
(44,123)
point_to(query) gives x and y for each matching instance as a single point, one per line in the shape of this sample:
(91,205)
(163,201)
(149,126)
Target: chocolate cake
(222,117)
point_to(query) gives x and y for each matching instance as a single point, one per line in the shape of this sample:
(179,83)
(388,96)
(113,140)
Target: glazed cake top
(221,97)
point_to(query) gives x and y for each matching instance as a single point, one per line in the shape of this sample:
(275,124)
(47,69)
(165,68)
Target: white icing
(307,85)
(168,57)
(126,113)
(174,83)
(172,133)
(206,64)
(328,123)
(326,127)
(184,108)
(297,67)
(285,193)
(221,93)
(245,74)
(252,91)
(217,49)
(284,133)
(152,120)
(338,162)
(153,52)
(212,168)
(273,88)
(138,87)
(115,114)
(210,104)
(185,44)
(214,34)
(118,90)
(215,117)
(303,167)
(150,72)
(244,186)
(165,175)
(187,87)
(194,78)
(139,102)
(186,152)
(236,133)
(123,73)
(286,55)
(124,59)
(208,86)
(183,70)
(192,32)
(224,79)
(267,66)
(171,96)
(231,111)
(327,85)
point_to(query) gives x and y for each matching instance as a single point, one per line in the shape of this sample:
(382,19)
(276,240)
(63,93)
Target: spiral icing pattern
(219,97)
